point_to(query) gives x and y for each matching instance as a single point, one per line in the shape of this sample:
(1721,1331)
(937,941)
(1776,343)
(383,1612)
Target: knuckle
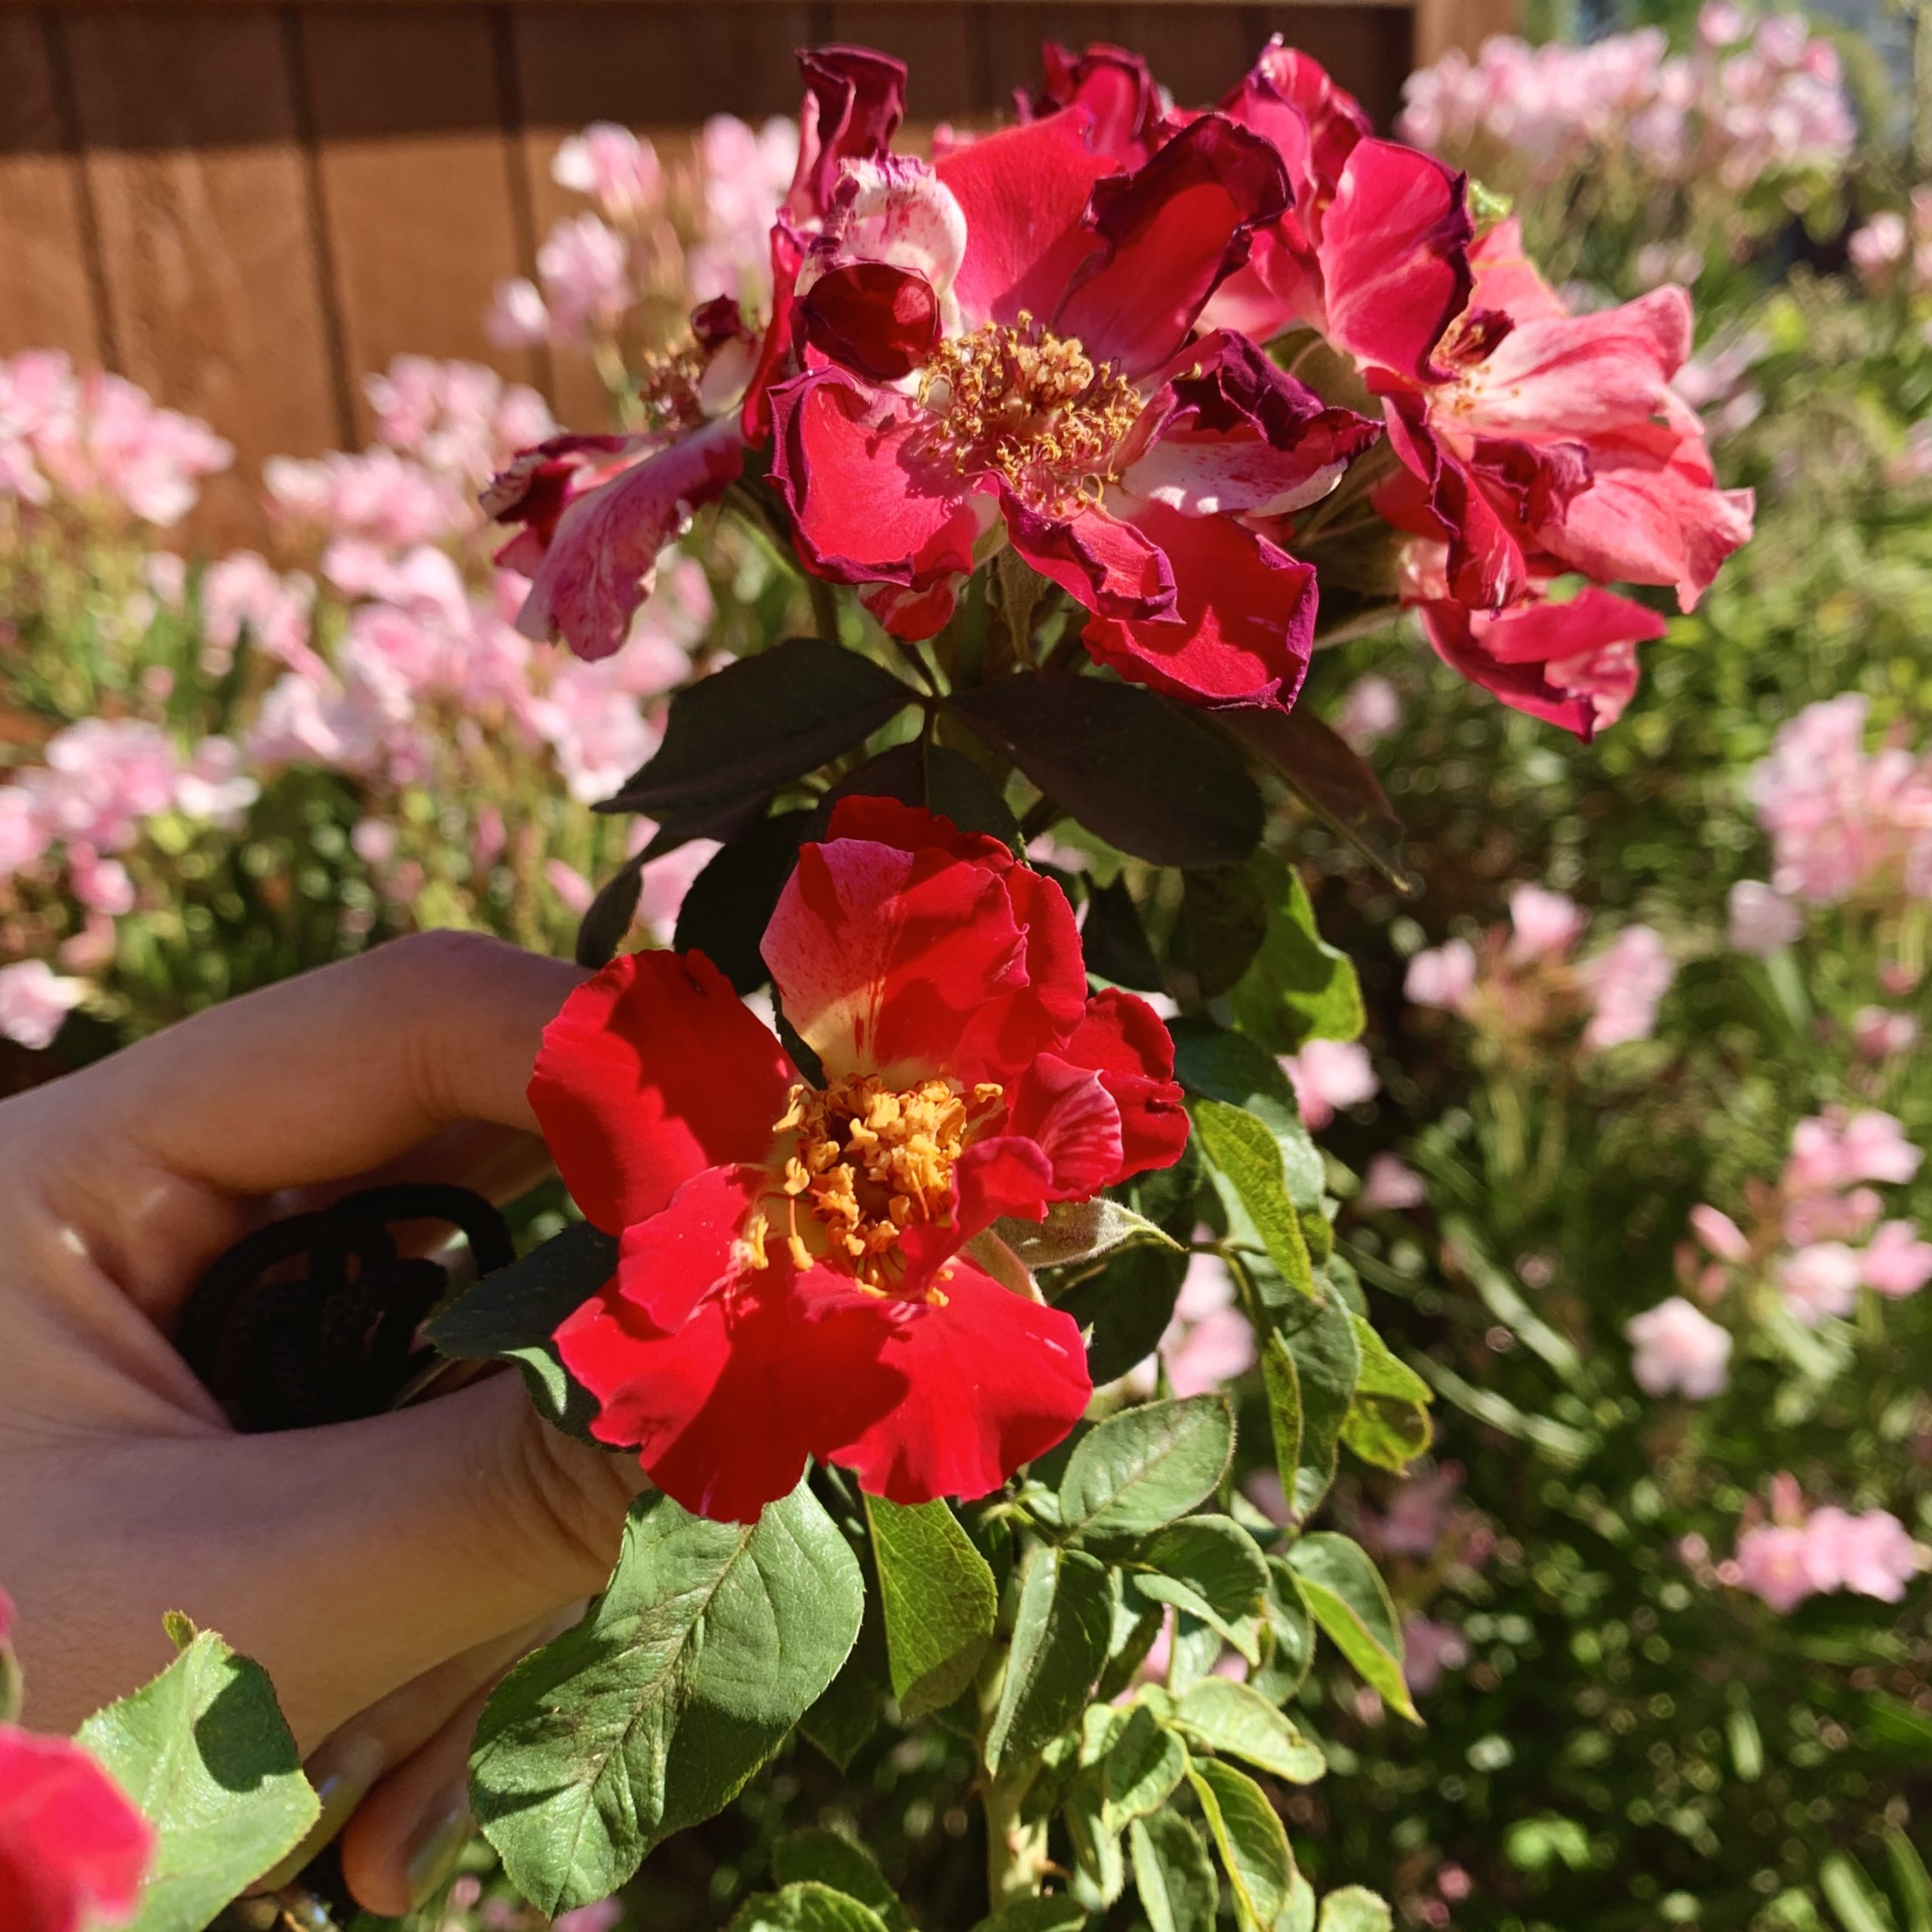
(576,1499)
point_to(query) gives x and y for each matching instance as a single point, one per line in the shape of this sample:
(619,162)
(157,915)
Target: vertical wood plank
(415,169)
(947,81)
(1197,53)
(1442,24)
(660,69)
(46,300)
(209,258)
(1016,33)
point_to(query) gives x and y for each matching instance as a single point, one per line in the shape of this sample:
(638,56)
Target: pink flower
(570,885)
(1545,923)
(1625,984)
(34,1001)
(1209,1343)
(584,268)
(1328,1076)
(73,1850)
(1419,1511)
(1761,919)
(1720,1234)
(1879,1033)
(665,881)
(1678,1348)
(103,778)
(1872,1554)
(239,594)
(1895,1261)
(1390,1185)
(1878,248)
(618,171)
(1833,1150)
(600,1917)
(1774,1562)
(1369,711)
(518,317)
(1442,977)
(458,418)
(101,885)
(1429,1649)
(1820,1280)
(25,831)
(110,444)
(378,494)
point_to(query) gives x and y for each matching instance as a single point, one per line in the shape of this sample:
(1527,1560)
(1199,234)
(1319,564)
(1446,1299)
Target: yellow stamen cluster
(1032,407)
(869,1162)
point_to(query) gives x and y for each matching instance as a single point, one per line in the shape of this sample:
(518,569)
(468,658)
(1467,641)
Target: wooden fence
(244,207)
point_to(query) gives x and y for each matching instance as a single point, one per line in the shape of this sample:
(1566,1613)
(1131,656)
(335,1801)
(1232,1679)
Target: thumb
(347,1561)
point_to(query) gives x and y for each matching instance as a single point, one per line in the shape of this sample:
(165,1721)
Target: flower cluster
(1844,822)
(97,443)
(1520,982)
(1801,1553)
(654,237)
(824,1255)
(1749,100)
(1892,250)
(1049,342)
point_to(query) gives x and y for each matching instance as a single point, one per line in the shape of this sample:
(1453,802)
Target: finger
(347,1560)
(350,1763)
(309,1081)
(400,1848)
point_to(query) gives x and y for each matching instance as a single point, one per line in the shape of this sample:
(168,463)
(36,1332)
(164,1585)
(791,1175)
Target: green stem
(1016,1851)
(825,607)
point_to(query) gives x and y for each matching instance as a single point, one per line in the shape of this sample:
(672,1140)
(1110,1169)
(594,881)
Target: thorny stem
(1016,1851)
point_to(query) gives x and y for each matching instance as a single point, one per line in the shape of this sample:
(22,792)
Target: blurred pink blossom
(1208,1342)
(1762,920)
(1388,1185)
(570,885)
(747,174)
(614,167)
(1820,1280)
(239,594)
(378,494)
(1870,1553)
(1369,711)
(1719,1233)
(1774,1563)
(1442,976)
(1879,1033)
(1678,1349)
(1329,1076)
(1895,1261)
(584,268)
(602,1917)
(1429,1649)
(1625,984)
(1419,1515)
(34,1001)
(1834,1150)
(1545,924)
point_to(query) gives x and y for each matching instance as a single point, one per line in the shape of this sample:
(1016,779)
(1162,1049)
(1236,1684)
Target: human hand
(385,1572)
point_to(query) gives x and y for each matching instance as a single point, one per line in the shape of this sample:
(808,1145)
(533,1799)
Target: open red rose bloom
(1053,337)
(799,1274)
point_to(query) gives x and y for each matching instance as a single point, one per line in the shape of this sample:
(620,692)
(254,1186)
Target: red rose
(73,1851)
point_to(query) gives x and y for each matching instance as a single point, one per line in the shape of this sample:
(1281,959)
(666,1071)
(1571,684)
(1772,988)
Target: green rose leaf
(1356,1908)
(1211,1568)
(724,914)
(1224,920)
(1217,1065)
(1350,1602)
(761,722)
(1253,1845)
(943,780)
(1298,987)
(1172,1874)
(1057,1914)
(1126,1307)
(1289,1650)
(851,1707)
(1139,1470)
(1329,776)
(807,1906)
(1245,1160)
(1082,1231)
(1060,1633)
(1309,1371)
(817,1856)
(1140,1769)
(1146,774)
(1236,1720)
(204,1753)
(937,1595)
(1387,1424)
(1102,1874)
(710,1643)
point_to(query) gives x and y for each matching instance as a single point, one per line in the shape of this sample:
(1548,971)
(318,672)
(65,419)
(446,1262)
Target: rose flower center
(1032,407)
(867,1162)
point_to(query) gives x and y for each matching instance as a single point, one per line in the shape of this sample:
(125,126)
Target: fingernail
(447,1827)
(342,1771)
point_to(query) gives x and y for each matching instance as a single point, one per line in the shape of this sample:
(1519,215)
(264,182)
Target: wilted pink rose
(1388,1185)
(1762,920)
(1429,1649)
(1719,1233)
(34,1001)
(1895,1261)
(1545,924)
(1678,1348)
(1329,1076)
(1443,976)
(1626,983)
(1819,1280)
